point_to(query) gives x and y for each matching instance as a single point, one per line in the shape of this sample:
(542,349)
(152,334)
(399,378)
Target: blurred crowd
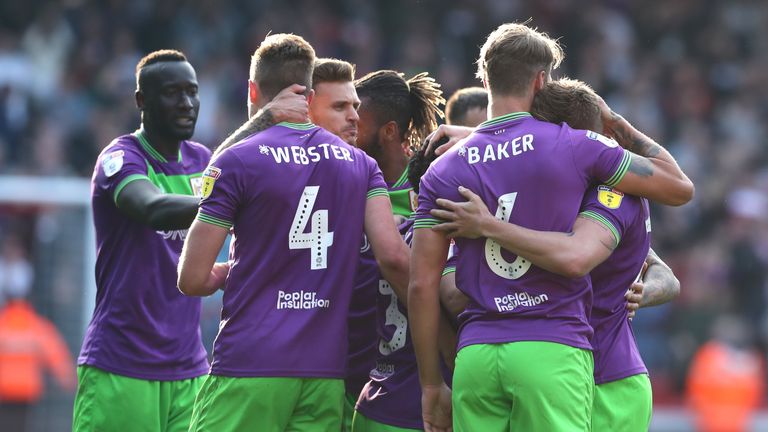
(689,73)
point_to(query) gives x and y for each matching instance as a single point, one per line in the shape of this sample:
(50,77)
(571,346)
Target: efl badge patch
(602,138)
(197,186)
(609,197)
(112,162)
(210,175)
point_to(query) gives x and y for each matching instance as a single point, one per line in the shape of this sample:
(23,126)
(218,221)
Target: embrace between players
(528,235)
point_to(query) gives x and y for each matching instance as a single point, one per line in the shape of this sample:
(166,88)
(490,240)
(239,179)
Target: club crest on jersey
(609,197)
(112,162)
(414,198)
(210,175)
(602,138)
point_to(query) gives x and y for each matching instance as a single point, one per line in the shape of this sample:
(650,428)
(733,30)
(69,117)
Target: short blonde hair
(280,60)
(512,56)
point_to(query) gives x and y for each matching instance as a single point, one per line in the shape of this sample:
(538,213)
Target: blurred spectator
(29,343)
(726,379)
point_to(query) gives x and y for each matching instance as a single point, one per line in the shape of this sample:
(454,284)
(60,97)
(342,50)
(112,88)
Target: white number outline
(496,262)
(319,239)
(393,317)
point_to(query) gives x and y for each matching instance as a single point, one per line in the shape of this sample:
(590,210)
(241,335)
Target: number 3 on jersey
(497,263)
(319,239)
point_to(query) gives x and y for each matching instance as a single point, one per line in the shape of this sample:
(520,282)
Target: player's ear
(254,93)
(541,79)
(390,130)
(139,96)
(310,95)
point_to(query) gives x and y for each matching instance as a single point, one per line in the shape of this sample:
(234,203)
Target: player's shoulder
(612,199)
(197,148)
(124,147)
(589,136)
(127,142)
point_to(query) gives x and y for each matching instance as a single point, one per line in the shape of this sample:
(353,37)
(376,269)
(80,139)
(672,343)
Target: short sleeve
(600,158)
(222,190)
(427,201)
(376,184)
(118,165)
(610,208)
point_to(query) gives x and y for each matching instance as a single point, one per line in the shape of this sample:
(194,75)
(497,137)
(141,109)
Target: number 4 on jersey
(319,239)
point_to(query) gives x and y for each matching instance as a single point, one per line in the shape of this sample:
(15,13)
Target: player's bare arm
(430,249)
(199,274)
(391,252)
(143,202)
(659,284)
(451,298)
(572,254)
(290,105)
(653,172)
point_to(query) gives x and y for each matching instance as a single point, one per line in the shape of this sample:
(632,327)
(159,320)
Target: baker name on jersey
(306,155)
(499,151)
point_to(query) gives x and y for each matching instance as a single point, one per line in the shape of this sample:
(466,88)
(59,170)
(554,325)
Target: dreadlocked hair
(421,160)
(413,104)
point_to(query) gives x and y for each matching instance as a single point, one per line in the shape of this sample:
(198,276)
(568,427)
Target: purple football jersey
(363,340)
(142,326)
(533,174)
(628,218)
(295,196)
(393,394)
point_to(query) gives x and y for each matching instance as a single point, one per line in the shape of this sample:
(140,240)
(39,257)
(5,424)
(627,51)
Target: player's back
(628,217)
(296,195)
(533,174)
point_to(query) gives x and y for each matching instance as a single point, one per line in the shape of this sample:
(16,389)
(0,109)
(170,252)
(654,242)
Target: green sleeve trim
(376,192)
(621,170)
(213,220)
(125,182)
(448,270)
(297,126)
(426,223)
(603,220)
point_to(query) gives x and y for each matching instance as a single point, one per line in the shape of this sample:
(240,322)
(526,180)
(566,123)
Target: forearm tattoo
(661,285)
(632,139)
(262,121)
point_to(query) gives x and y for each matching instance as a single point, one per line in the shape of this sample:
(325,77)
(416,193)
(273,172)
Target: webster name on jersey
(498,151)
(305,155)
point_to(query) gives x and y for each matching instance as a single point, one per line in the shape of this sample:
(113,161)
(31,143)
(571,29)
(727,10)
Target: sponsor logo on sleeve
(602,138)
(210,175)
(112,162)
(648,224)
(609,197)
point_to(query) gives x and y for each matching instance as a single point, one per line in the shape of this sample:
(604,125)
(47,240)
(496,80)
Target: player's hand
(454,134)
(217,277)
(436,408)
(634,296)
(290,105)
(467,219)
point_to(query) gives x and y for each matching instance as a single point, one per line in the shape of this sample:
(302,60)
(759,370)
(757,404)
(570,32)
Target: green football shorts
(623,405)
(523,386)
(107,402)
(349,412)
(268,404)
